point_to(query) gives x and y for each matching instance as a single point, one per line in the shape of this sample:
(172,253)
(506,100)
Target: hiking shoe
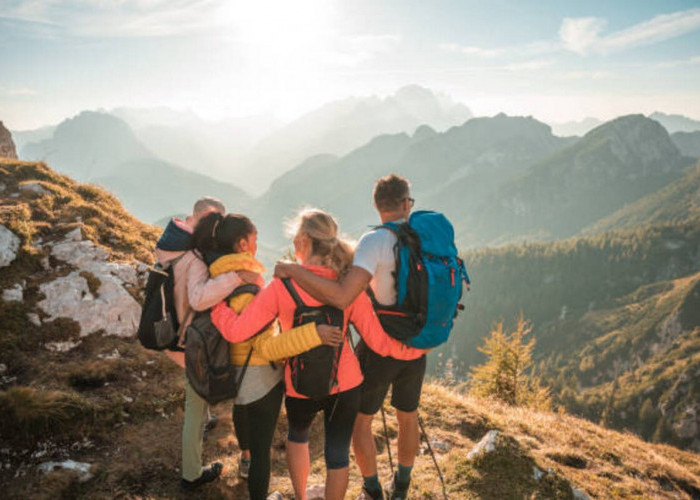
(209,474)
(243,466)
(211,423)
(275,495)
(371,495)
(397,490)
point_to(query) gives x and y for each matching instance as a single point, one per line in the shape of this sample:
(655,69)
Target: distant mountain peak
(636,136)
(414,92)
(675,123)
(423,132)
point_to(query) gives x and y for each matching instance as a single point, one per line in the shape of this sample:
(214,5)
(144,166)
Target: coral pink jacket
(274,301)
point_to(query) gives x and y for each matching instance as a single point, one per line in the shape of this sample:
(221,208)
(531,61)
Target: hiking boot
(209,474)
(275,495)
(243,466)
(396,490)
(211,423)
(371,495)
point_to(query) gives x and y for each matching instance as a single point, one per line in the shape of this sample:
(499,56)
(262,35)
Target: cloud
(537,48)
(691,61)
(21,92)
(583,35)
(532,65)
(472,50)
(88,18)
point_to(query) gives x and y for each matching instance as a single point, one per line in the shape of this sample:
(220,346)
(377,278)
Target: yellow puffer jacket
(267,345)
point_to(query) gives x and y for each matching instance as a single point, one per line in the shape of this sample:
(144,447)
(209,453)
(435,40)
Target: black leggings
(339,412)
(263,413)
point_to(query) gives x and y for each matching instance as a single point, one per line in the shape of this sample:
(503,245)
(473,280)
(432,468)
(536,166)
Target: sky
(555,60)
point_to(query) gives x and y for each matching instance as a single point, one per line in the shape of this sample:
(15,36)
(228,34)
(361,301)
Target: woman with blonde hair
(319,249)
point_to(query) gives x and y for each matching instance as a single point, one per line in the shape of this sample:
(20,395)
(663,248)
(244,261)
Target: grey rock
(74,234)
(579,495)
(9,245)
(315,492)
(486,445)
(114,311)
(34,319)
(13,294)
(82,468)
(537,473)
(33,189)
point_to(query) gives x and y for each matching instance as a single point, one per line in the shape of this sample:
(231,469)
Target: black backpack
(207,357)
(314,373)
(158,326)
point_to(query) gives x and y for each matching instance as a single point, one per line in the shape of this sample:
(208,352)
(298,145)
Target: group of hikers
(290,339)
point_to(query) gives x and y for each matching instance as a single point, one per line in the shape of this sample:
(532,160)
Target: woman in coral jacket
(318,248)
(228,244)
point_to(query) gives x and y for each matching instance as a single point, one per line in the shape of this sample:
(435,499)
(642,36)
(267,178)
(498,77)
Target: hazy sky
(556,60)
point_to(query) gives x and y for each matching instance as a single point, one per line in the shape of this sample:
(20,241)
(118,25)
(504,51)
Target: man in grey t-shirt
(373,265)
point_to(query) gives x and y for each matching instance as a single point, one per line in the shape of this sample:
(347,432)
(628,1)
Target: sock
(403,475)
(372,483)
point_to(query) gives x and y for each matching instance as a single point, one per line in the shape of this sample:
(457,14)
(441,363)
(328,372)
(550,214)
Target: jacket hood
(175,237)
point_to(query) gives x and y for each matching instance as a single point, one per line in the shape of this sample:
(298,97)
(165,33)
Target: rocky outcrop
(94,293)
(9,244)
(7,146)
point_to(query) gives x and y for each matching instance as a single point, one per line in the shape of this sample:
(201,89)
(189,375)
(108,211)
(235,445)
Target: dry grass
(67,205)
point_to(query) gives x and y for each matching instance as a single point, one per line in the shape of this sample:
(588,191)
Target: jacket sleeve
(287,344)
(258,315)
(364,318)
(204,292)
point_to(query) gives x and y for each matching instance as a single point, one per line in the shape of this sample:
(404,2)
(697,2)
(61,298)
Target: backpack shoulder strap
(245,367)
(287,282)
(240,290)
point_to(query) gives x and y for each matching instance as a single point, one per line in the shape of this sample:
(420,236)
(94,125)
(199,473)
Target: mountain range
(102,149)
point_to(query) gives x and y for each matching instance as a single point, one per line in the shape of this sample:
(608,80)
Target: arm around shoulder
(340,293)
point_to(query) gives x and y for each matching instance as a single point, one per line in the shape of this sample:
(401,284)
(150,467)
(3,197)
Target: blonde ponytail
(322,229)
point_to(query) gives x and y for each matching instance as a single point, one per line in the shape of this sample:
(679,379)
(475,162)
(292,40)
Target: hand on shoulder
(285,269)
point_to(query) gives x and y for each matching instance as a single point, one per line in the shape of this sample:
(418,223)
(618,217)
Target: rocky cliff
(7,147)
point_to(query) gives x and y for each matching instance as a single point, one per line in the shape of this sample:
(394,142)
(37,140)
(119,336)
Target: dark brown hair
(389,192)
(219,233)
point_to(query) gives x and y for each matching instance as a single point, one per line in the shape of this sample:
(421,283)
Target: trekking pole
(432,454)
(388,444)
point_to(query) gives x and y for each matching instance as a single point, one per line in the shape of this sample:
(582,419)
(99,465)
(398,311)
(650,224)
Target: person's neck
(313,260)
(391,216)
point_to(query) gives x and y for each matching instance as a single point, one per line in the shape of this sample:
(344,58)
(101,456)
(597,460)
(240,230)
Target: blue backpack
(428,276)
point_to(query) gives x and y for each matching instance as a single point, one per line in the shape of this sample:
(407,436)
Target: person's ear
(242,245)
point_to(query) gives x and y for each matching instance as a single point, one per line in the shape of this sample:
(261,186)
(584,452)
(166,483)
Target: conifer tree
(507,374)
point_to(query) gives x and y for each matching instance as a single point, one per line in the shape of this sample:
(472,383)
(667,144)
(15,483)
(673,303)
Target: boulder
(9,245)
(114,310)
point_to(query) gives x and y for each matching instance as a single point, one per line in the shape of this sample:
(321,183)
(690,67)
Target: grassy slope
(676,202)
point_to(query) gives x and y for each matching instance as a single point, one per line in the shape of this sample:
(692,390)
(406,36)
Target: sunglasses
(411,201)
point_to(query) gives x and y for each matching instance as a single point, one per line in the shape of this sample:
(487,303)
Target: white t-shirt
(375,253)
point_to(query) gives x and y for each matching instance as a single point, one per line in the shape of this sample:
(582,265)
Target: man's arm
(339,294)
